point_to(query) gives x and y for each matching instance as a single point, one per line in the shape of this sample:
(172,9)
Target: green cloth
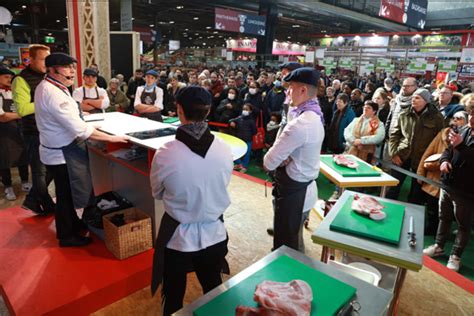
(22,97)
(329,294)
(387,230)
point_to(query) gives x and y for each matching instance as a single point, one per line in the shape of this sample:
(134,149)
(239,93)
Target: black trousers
(67,221)
(207,264)
(7,175)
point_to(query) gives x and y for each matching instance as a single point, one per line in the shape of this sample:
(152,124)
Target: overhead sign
(467,55)
(240,22)
(447,65)
(409,12)
(384,63)
(345,63)
(279,48)
(417,67)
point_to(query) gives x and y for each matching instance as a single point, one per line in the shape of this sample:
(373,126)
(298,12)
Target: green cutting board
(363,170)
(387,230)
(329,294)
(170,120)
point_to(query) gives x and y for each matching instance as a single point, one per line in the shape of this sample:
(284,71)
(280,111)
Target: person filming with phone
(457,192)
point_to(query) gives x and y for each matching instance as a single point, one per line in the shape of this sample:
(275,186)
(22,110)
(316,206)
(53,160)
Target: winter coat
(431,170)
(223,114)
(246,127)
(413,132)
(336,141)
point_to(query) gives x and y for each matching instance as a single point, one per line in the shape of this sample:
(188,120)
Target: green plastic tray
(387,230)
(170,120)
(363,170)
(329,294)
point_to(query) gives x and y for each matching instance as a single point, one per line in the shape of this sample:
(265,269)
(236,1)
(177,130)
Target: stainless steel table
(402,256)
(372,300)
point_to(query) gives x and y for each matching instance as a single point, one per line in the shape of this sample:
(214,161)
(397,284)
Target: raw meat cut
(367,205)
(279,298)
(342,160)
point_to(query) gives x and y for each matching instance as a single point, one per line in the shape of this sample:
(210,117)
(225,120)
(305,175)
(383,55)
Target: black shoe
(270,231)
(33,206)
(76,241)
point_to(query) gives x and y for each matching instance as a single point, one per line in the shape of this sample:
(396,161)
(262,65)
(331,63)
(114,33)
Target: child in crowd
(245,129)
(272,129)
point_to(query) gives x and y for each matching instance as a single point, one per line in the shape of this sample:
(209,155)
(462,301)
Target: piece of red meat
(367,205)
(342,160)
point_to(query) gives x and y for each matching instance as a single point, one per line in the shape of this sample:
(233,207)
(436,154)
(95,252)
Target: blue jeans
(244,161)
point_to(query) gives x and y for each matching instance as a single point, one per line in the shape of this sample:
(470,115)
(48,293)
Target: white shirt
(58,121)
(7,95)
(300,141)
(91,93)
(158,101)
(375,139)
(193,190)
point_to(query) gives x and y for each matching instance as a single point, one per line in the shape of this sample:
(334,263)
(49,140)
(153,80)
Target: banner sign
(345,63)
(409,12)
(240,22)
(447,65)
(279,48)
(384,63)
(329,63)
(467,55)
(417,67)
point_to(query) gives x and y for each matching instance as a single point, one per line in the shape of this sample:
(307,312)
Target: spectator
(457,197)
(246,129)
(122,84)
(149,98)
(342,117)
(336,85)
(414,131)
(363,134)
(446,105)
(272,129)
(356,102)
(369,91)
(118,99)
(254,97)
(172,91)
(230,107)
(274,99)
(133,84)
(381,98)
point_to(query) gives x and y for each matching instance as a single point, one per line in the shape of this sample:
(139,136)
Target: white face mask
(245,113)
(252,90)
(272,123)
(231,96)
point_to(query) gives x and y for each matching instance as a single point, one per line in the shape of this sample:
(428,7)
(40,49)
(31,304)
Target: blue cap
(305,75)
(90,72)
(291,65)
(152,73)
(193,95)
(59,59)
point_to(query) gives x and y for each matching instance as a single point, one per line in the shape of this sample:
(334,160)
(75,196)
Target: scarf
(196,136)
(404,101)
(149,88)
(308,105)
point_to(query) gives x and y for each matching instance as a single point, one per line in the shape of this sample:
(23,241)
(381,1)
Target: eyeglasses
(458,118)
(409,85)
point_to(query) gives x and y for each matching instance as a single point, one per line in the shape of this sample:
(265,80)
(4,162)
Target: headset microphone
(67,77)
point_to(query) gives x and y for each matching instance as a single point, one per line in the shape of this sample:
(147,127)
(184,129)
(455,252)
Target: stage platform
(37,277)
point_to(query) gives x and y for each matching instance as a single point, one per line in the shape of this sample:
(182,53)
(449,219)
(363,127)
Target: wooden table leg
(396,291)
(324,254)
(383,191)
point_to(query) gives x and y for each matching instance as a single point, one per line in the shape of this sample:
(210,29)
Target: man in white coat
(294,158)
(190,174)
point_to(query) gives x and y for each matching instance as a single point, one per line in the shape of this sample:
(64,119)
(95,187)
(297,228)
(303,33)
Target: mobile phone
(454,128)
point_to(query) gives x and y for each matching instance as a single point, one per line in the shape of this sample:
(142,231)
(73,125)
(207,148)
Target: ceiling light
(190,38)
(49,34)
(220,36)
(23,6)
(323,31)
(374,34)
(179,7)
(195,18)
(357,38)
(215,32)
(186,30)
(295,25)
(133,19)
(396,36)
(326,35)
(196,34)
(57,21)
(288,37)
(208,27)
(115,22)
(171,22)
(203,43)
(152,25)
(200,37)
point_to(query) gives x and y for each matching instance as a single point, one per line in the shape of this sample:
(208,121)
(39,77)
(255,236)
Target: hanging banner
(409,12)
(447,65)
(240,22)
(345,63)
(383,63)
(329,63)
(417,67)
(467,55)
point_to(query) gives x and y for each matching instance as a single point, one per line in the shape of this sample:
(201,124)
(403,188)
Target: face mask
(231,96)
(272,123)
(252,91)
(245,113)
(277,84)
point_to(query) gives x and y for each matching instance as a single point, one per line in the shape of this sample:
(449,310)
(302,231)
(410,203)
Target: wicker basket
(129,239)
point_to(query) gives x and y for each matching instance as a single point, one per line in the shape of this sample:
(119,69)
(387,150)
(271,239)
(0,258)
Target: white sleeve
(156,180)
(349,133)
(293,136)
(105,101)
(2,112)
(77,94)
(159,98)
(138,96)
(66,113)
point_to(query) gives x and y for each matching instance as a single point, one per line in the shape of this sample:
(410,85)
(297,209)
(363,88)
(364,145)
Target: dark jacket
(449,111)
(460,180)
(101,82)
(413,132)
(223,114)
(274,100)
(336,141)
(357,106)
(327,109)
(246,127)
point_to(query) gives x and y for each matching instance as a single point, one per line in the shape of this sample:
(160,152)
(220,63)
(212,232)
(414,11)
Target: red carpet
(38,277)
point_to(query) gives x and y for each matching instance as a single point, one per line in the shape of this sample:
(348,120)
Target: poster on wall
(467,55)
(447,65)
(329,63)
(345,63)
(24,53)
(418,67)
(240,22)
(408,12)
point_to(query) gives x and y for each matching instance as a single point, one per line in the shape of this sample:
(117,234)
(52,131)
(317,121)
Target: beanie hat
(425,94)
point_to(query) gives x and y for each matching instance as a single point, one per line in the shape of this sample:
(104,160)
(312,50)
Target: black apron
(149,98)
(96,98)
(77,163)
(289,196)
(12,149)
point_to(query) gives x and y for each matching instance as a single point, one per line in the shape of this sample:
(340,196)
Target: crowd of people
(422,128)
